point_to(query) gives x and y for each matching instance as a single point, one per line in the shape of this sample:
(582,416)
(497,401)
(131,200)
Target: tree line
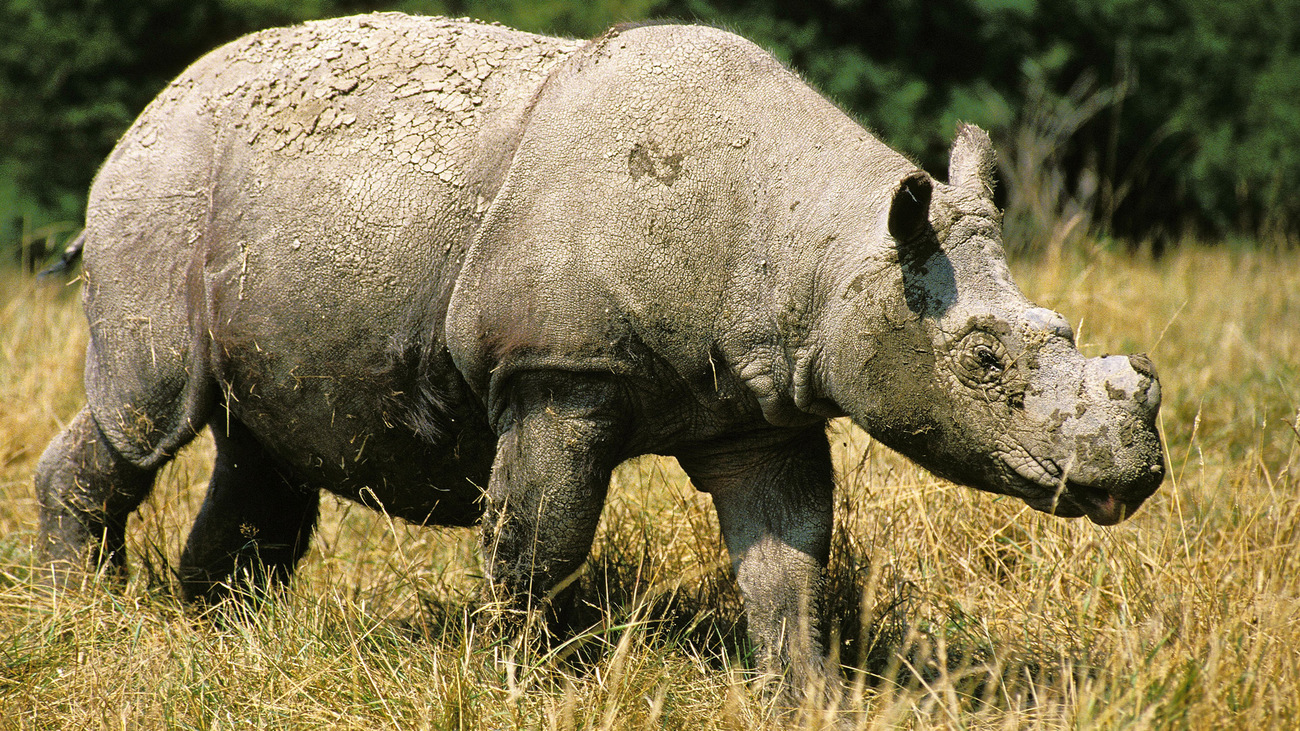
(1136,120)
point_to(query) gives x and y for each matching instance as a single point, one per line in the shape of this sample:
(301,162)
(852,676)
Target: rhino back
(286,219)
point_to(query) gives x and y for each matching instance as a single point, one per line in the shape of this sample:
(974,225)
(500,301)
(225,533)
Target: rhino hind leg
(774,498)
(255,523)
(86,490)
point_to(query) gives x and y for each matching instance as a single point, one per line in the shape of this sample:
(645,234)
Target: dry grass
(954,609)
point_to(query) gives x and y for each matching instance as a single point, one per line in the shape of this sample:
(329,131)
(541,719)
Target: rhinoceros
(458,273)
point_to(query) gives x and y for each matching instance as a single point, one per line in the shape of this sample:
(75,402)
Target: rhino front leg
(563,436)
(773,494)
(86,491)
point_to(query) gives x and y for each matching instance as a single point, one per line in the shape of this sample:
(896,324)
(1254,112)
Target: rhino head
(971,380)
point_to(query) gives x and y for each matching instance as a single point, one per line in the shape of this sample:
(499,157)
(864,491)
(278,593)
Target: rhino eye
(987,359)
(980,362)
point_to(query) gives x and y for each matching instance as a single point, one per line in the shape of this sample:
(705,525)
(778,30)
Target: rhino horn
(971,161)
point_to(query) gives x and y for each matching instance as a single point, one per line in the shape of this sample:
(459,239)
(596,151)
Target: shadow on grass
(875,626)
(878,645)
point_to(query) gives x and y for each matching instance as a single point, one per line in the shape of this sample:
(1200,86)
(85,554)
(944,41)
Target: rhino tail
(71,253)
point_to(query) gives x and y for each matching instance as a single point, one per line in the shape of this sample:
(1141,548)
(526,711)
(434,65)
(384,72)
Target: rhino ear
(972,161)
(909,213)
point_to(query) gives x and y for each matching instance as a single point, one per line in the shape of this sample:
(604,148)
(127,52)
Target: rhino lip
(1061,496)
(1100,506)
(1073,500)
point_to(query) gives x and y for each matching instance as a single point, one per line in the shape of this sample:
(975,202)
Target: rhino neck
(824,241)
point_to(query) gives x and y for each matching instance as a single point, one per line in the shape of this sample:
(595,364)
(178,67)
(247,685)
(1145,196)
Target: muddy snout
(1119,462)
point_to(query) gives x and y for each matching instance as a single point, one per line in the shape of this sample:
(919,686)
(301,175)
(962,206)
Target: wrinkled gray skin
(406,259)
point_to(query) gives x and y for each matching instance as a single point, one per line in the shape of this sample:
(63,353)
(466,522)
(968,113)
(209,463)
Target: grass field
(953,609)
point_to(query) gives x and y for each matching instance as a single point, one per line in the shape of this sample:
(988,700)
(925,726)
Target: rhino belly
(361,432)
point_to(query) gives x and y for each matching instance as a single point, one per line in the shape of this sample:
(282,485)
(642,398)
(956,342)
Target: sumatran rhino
(458,273)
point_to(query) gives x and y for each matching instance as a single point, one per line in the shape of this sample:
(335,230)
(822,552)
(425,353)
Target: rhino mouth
(1101,507)
(1045,487)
